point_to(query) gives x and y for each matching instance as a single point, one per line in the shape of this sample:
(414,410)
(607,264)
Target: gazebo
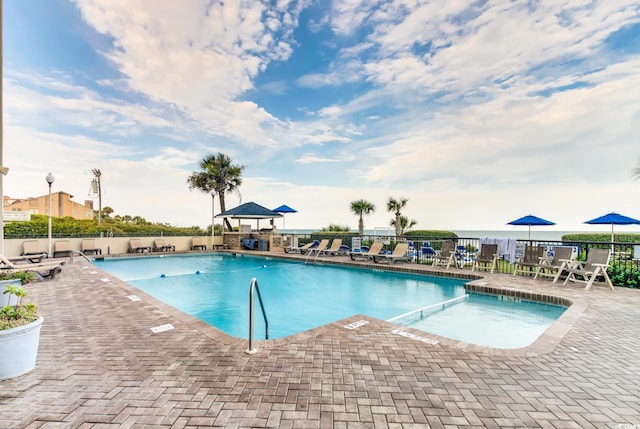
(250,211)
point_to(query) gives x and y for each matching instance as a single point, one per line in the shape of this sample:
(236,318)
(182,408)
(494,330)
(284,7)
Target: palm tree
(359,208)
(396,206)
(404,224)
(218,176)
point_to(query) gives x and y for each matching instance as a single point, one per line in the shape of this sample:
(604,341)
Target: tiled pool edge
(544,344)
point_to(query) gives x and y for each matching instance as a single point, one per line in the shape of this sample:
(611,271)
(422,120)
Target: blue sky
(477,112)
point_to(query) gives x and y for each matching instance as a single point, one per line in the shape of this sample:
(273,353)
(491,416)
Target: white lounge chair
(561,256)
(374,250)
(399,252)
(447,255)
(487,259)
(596,265)
(334,249)
(45,270)
(530,260)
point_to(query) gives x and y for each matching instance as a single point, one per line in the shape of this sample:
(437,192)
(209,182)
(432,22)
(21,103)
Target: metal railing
(254,287)
(624,253)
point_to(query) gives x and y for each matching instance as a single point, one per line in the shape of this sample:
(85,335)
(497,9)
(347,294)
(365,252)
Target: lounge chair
(530,260)
(374,250)
(324,245)
(88,245)
(562,255)
(487,259)
(62,248)
(447,255)
(596,265)
(159,245)
(135,246)
(45,270)
(198,244)
(31,248)
(426,251)
(334,249)
(301,249)
(399,252)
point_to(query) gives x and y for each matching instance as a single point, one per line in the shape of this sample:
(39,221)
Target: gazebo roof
(249,210)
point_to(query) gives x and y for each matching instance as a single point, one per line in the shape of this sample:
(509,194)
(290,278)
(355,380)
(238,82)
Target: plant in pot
(19,327)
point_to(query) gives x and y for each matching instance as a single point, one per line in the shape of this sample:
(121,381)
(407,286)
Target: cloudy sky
(477,112)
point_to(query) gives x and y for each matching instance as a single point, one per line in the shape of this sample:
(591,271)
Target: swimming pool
(299,297)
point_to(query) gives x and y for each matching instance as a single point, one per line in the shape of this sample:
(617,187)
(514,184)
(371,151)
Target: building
(61,206)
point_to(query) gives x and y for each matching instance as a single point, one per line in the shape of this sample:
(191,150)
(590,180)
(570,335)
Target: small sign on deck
(357,324)
(162,328)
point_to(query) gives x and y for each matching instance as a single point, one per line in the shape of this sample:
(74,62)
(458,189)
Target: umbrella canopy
(284,209)
(529,220)
(613,219)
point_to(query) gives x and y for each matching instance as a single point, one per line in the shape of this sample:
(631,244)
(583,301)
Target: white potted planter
(19,329)
(19,349)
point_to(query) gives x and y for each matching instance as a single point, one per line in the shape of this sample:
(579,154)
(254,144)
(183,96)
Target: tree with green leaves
(360,208)
(218,176)
(396,206)
(404,224)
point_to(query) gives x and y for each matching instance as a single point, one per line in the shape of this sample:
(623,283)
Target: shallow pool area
(299,297)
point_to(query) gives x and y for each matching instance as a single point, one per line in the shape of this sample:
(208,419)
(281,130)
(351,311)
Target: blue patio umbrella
(284,209)
(613,219)
(529,220)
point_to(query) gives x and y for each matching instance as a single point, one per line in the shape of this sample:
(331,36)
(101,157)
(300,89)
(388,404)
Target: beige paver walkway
(101,366)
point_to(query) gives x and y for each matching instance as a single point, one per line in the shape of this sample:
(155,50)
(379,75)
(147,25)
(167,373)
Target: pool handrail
(254,286)
(442,304)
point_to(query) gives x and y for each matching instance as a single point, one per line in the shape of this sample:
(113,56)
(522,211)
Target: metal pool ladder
(254,286)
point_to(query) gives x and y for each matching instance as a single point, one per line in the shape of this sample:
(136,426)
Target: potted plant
(19,327)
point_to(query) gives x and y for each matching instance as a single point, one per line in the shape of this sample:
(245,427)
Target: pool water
(298,297)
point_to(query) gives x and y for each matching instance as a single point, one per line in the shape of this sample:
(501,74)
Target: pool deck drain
(101,366)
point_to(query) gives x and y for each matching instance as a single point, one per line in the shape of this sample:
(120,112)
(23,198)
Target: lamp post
(213,215)
(50,180)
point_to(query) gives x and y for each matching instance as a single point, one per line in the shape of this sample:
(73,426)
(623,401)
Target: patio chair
(198,244)
(159,245)
(88,245)
(301,249)
(487,259)
(374,250)
(447,255)
(31,248)
(62,248)
(562,255)
(324,244)
(135,246)
(529,261)
(596,265)
(45,270)
(334,249)
(399,252)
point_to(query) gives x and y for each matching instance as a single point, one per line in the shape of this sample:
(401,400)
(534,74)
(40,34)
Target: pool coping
(479,282)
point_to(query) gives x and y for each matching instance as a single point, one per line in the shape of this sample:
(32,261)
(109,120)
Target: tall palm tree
(360,208)
(396,206)
(404,224)
(218,176)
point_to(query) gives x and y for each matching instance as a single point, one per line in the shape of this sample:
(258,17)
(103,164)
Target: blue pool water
(299,297)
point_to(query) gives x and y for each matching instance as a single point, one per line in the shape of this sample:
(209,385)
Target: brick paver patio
(101,366)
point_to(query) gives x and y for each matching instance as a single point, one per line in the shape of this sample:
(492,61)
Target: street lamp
(50,180)
(213,217)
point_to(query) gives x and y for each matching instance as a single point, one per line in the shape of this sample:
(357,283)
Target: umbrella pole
(612,240)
